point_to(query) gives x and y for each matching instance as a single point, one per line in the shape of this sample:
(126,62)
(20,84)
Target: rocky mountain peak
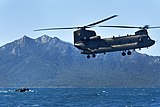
(24,40)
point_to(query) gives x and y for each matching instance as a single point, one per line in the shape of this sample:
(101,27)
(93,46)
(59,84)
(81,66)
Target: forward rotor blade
(88,26)
(102,20)
(122,27)
(57,28)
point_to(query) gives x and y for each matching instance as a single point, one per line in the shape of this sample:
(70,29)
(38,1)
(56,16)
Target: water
(81,97)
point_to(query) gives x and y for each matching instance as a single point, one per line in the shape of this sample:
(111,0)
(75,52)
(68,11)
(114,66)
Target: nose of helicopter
(152,42)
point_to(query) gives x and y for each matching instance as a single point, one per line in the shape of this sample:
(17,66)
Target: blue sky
(21,17)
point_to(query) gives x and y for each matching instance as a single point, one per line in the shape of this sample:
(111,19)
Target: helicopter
(91,44)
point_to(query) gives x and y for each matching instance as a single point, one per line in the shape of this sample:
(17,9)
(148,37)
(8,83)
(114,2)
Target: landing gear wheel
(123,53)
(94,55)
(88,56)
(129,53)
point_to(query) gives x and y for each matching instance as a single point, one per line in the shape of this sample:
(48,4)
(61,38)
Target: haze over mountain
(49,62)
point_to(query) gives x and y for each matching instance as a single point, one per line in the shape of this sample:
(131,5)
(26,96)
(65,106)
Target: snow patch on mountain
(43,39)
(15,51)
(157,61)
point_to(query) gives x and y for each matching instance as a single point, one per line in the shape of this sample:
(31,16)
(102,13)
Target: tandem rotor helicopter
(90,44)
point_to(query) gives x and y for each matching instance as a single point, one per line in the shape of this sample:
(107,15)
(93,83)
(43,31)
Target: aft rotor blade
(122,27)
(154,27)
(145,27)
(57,28)
(102,20)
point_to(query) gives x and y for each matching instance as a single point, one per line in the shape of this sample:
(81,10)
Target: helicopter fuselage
(90,44)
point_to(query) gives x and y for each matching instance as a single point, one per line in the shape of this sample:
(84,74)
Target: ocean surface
(81,97)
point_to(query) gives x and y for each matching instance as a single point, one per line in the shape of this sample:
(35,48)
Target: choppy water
(81,97)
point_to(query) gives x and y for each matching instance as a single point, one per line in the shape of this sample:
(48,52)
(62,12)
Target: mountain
(49,62)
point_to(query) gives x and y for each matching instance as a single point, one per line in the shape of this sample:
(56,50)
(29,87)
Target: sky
(21,17)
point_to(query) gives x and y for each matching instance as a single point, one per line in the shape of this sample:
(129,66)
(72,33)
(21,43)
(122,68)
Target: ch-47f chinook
(90,44)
